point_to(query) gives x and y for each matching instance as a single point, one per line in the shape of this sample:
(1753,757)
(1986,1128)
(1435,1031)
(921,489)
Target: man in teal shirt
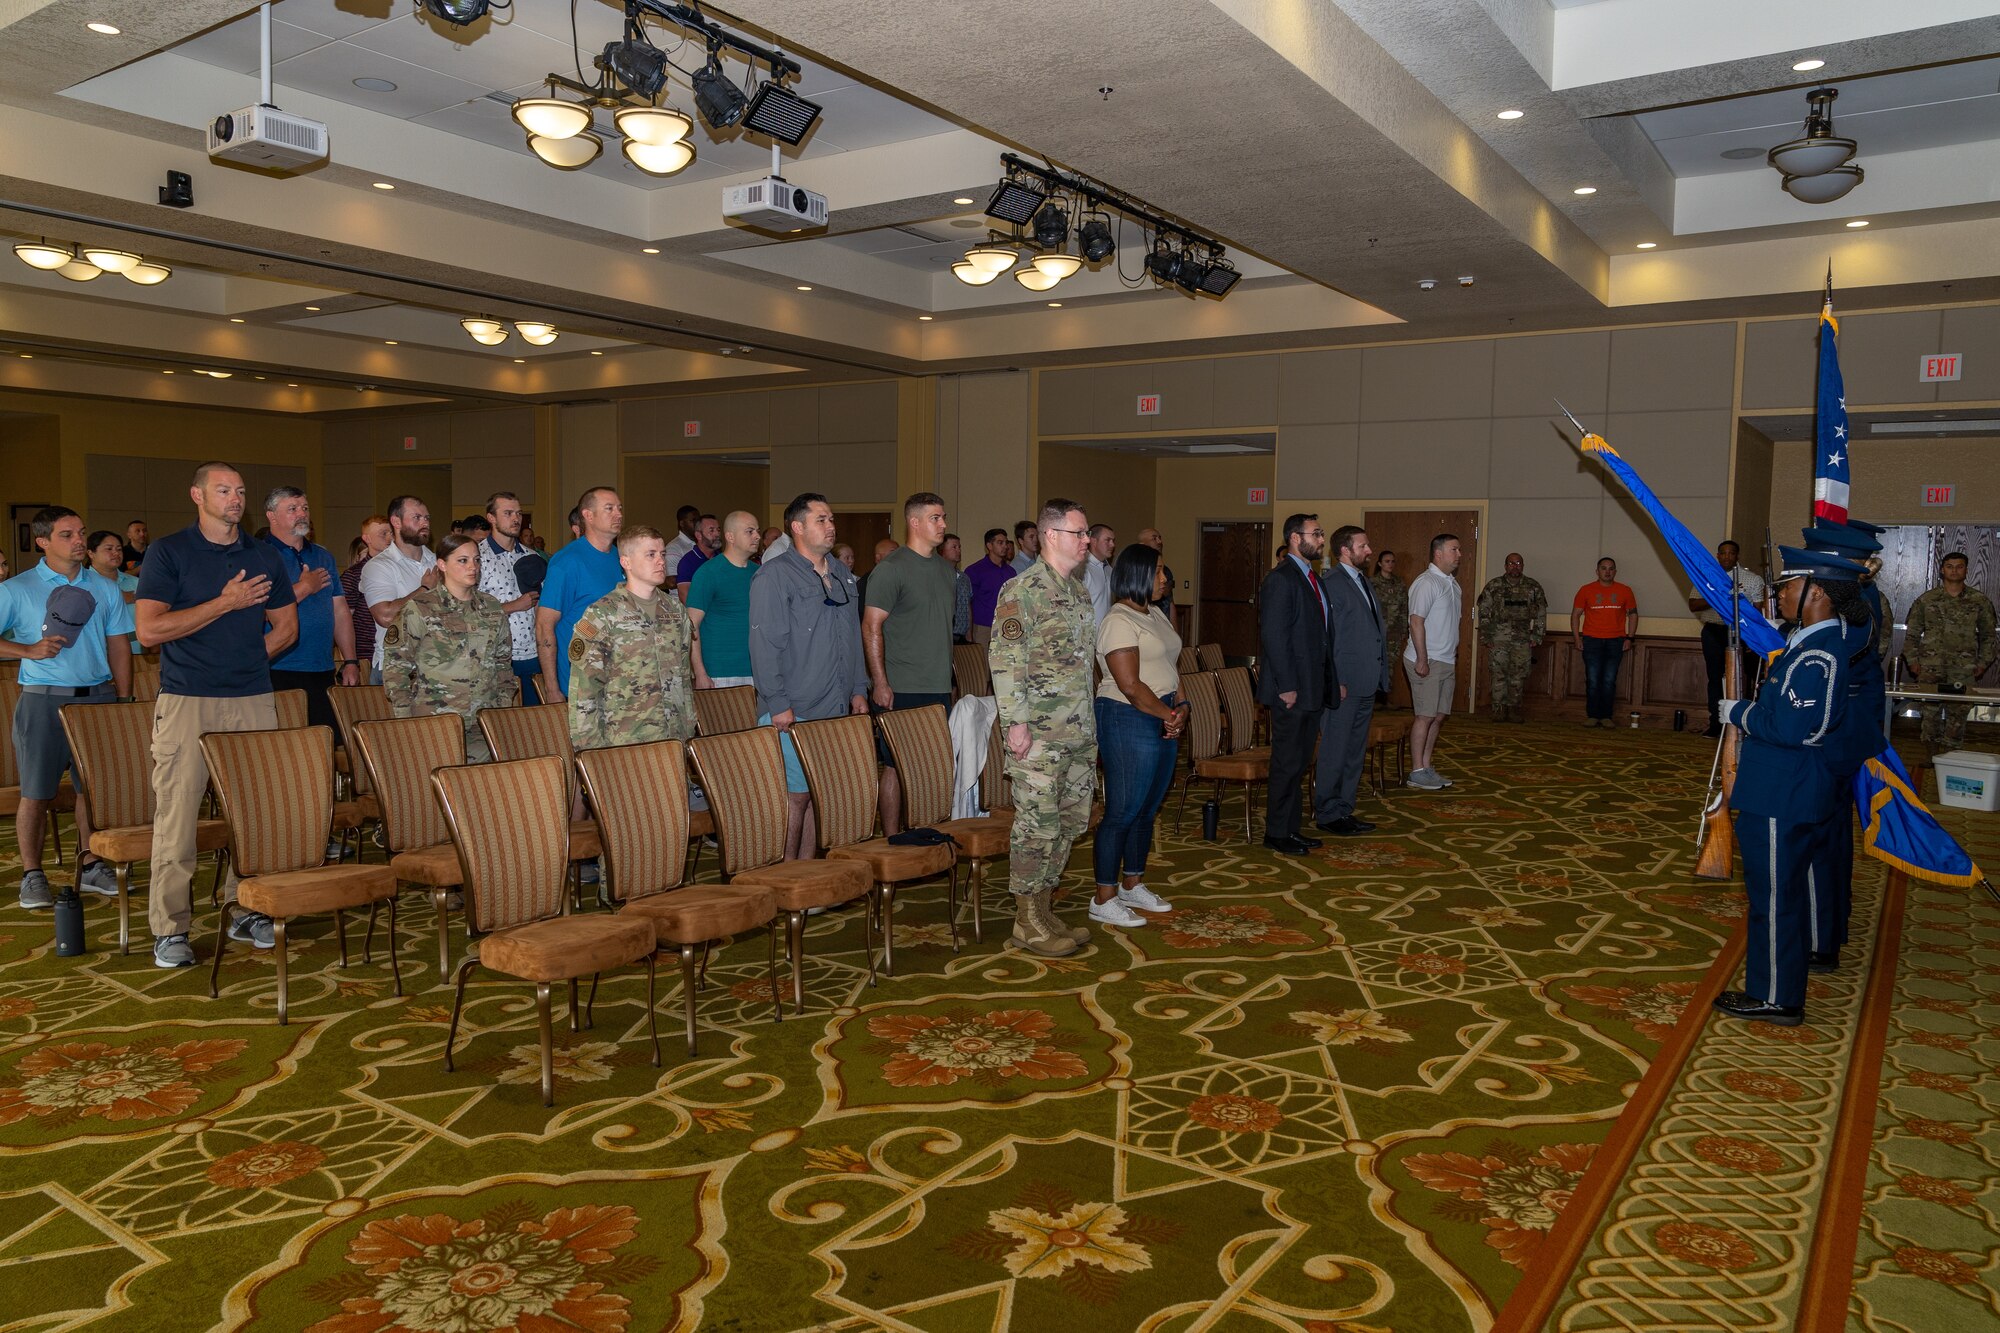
(718,601)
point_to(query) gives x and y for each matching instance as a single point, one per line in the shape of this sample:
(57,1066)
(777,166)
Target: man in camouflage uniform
(1513,616)
(1948,641)
(1044,636)
(631,672)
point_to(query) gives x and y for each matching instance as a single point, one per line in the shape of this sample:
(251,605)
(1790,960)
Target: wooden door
(861,529)
(1408,533)
(1234,559)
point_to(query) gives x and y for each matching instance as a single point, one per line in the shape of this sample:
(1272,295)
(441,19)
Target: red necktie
(1318,592)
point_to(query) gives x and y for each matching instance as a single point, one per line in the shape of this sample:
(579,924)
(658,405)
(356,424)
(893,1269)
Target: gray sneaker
(336,852)
(99,878)
(252,926)
(35,893)
(1424,780)
(1439,778)
(172,951)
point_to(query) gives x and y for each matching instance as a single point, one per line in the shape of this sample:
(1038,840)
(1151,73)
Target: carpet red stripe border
(1829,1277)
(1548,1272)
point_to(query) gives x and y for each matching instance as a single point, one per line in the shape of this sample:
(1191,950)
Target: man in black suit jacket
(1295,675)
(1361,661)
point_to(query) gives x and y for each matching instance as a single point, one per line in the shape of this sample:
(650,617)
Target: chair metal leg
(573,1006)
(340,936)
(548,1035)
(124,907)
(458,1002)
(694,866)
(1248,812)
(278,947)
(687,993)
(1181,809)
(976,886)
(868,918)
(444,934)
(221,939)
(395,965)
(951,913)
(55,837)
(795,940)
(701,977)
(368,937)
(777,1000)
(888,893)
(652,1008)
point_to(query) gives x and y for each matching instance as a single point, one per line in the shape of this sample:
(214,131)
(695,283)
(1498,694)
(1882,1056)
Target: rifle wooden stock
(1716,856)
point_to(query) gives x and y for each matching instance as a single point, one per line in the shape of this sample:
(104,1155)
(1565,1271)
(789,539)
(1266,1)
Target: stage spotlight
(720,102)
(1222,275)
(778,113)
(1191,273)
(458,13)
(1015,200)
(1164,263)
(1094,238)
(1051,226)
(637,64)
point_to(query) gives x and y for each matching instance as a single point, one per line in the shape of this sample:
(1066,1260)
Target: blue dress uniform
(1830,876)
(1787,789)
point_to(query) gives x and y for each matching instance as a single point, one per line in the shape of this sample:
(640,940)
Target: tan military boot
(1036,929)
(1081,934)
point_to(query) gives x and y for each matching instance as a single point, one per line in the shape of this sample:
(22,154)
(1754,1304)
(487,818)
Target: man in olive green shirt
(906,631)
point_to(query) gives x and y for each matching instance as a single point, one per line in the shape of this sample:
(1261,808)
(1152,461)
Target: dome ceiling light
(1815,165)
(90,262)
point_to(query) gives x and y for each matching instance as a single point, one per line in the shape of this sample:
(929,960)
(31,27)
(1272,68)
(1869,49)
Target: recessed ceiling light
(384,185)
(1745,154)
(260,377)
(103,29)
(312,307)
(27,356)
(235,320)
(1584,189)
(1804,65)
(1511,114)
(166,372)
(650,250)
(520,360)
(375,85)
(745,349)
(1858,222)
(804,287)
(1649,245)
(288,386)
(596,353)
(1055,305)
(962,199)
(926,318)
(389,342)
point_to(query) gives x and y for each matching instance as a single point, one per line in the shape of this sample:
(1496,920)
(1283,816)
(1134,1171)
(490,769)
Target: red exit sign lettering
(1149,404)
(1940,368)
(1938,497)
(1257,495)
(409,442)
(690,429)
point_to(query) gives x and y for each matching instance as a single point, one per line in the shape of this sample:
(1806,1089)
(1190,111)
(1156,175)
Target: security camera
(1426,284)
(1465,281)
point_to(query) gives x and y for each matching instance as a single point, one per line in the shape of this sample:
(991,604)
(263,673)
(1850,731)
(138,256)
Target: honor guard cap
(1796,563)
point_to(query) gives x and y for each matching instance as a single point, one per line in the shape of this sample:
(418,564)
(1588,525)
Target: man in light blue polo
(71,629)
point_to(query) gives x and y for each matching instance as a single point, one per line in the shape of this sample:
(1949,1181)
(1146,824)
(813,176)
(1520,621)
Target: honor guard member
(1787,786)
(1044,637)
(1830,876)
(1949,642)
(1513,616)
(450,650)
(1871,592)
(631,659)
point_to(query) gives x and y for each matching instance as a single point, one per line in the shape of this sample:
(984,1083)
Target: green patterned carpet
(1345,1094)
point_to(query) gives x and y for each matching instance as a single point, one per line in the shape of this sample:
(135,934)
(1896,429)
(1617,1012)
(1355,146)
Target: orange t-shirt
(1604,608)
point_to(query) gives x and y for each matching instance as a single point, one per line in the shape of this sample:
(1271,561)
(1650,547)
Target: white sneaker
(1115,913)
(1143,899)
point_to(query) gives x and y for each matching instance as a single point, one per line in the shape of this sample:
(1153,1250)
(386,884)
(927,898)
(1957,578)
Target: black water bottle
(1211,816)
(69,923)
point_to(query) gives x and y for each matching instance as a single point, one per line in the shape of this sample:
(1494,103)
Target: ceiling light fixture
(233,319)
(551,117)
(80,270)
(925,319)
(485,330)
(390,342)
(804,288)
(595,352)
(778,113)
(567,154)
(148,273)
(971,274)
(1649,245)
(312,307)
(962,199)
(459,13)
(1057,265)
(992,258)
(655,125)
(650,250)
(1825,187)
(112,261)
(1035,280)
(42,255)
(658,159)
(719,100)
(539,332)
(1584,189)
(1858,222)
(1055,305)
(1807,66)
(1815,165)
(103,29)
(384,185)
(1093,238)
(1511,114)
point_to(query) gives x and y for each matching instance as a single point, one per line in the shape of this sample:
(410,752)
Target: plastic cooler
(1968,779)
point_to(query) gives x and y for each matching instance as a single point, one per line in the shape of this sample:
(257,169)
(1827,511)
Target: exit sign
(409,442)
(690,429)
(1937,369)
(1257,495)
(1938,497)
(1149,404)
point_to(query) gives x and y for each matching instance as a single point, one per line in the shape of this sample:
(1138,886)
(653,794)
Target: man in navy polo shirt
(310,663)
(62,663)
(579,574)
(219,607)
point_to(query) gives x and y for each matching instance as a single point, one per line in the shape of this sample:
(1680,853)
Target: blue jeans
(1138,771)
(525,671)
(1600,675)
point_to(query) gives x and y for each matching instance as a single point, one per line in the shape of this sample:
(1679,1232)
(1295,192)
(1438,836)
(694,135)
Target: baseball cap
(69,610)
(529,571)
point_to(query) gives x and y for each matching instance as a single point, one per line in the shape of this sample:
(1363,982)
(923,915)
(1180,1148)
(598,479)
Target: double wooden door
(1408,533)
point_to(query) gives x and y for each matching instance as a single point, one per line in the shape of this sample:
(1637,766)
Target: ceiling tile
(235,46)
(333,18)
(859,117)
(330,71)
(500,58)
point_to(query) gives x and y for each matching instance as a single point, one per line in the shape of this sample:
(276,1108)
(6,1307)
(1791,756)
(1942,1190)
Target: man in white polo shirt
(1431,656)
(405,565)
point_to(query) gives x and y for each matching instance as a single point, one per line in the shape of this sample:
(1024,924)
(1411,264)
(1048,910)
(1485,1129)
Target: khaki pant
(180,781)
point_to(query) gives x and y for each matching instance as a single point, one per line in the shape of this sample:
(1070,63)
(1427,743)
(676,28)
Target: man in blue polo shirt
(579,574)
(63,662)
(310,663)
(218,606)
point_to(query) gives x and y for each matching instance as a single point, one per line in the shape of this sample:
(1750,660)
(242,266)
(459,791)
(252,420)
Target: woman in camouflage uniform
(450,650)
(1395,602)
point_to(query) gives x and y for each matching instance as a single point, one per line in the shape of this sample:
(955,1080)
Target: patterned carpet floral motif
(1350,1093)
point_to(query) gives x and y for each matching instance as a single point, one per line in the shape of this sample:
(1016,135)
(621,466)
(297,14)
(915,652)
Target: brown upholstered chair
(145,678)
(640,795)
(10,770)
(112,745)
(1188,662)
(400,754)
(348,816)
(1207,762)
(510,824)
(969,669)
(1386,732)
(920,740)
(352,704)
(721,711)
(1208,656)
(524,733)
(276,790)
(838,755)
(1239,711)
(743,773)
(290,706)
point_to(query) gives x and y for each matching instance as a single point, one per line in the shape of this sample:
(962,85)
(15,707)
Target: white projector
(263,136)
(774,204)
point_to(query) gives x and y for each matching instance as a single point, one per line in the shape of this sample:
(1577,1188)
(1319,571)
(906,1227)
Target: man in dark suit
(1361,663)
(1295,675)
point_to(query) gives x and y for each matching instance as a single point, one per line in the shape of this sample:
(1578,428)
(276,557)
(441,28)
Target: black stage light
(778,113)
(1221,276)
(1164,263)
(1095,238)
(1191,273)
(1015,200)
(720,102)
(1051,226)
(459,13)
(637,64)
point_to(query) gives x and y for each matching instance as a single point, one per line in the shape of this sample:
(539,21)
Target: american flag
(1830,425)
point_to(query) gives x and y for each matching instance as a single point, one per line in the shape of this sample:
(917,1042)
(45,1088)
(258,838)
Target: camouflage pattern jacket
(1044,639)
(631,671)
(1950,639)
(1512,609)
(447,656)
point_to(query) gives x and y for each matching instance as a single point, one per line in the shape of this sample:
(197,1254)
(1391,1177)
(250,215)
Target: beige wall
(984,452)
(1112,487)
(1189,490)
(654,486)
(483,450)
(1887,480)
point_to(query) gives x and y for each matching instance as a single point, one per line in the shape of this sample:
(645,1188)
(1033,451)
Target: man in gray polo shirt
(805,646)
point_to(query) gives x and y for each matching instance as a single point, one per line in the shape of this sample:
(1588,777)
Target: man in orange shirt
(1603,620)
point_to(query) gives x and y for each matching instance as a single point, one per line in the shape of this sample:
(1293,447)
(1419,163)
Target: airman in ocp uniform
(450,650)
(1044,638)
(1948,641)
(1513,617)
(631,664)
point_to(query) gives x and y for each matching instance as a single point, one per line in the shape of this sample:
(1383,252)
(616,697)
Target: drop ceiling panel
(863,118)
(235,46)
(332,18)
(500,59)
(329,71)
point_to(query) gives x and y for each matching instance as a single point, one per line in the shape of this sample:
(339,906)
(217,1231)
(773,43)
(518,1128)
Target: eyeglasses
(1073,532)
